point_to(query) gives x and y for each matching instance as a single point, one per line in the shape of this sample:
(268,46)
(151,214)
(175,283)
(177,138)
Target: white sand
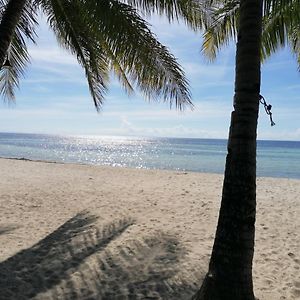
(131,234)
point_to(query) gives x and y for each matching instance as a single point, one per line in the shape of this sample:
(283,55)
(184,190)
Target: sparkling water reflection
(275,158)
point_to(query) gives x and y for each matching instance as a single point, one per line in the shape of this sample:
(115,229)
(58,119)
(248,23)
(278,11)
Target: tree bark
(9,22)
(230,269)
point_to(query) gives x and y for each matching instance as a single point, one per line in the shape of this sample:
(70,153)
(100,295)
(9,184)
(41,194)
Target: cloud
(285,135)
(180,130)
(211,108)
(53,65)
(207,72)
(52,55)
(125,124)
(293,87)
(271,65)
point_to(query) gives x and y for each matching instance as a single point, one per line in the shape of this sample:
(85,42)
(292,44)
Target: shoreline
(72,223)
(130,168)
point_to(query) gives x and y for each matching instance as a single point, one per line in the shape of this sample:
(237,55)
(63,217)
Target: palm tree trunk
(9,22)
(230,269)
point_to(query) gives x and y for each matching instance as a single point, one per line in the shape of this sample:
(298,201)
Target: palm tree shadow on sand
(7,229)
(75,262)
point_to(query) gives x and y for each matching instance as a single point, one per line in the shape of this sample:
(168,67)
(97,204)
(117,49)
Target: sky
(53,97)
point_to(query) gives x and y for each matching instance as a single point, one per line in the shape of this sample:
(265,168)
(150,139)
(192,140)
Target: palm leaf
(294,42)
(193,12)
(108,35)
(17,53)
(146,62)
(66,19)
(281,28)
(221,27)
(18,58)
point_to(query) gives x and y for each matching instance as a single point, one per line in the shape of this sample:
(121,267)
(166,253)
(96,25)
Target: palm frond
(221,28)
(66,19)
(193,12)
(281,17)
(17,52)
(294,42)
(273,6)
(118,69)
(9,77)
(8,82)
(146,62)
(28,19)
(279,27)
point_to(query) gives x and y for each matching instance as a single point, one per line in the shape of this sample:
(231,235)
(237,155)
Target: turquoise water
(274,158)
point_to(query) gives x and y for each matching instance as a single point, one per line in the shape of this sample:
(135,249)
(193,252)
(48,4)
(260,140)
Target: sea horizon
(275,158)
(135,136)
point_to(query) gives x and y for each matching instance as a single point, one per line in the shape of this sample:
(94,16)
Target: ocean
(274,158)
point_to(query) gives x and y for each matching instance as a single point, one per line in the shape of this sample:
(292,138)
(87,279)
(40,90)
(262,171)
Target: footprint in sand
(297,284)
(296,293)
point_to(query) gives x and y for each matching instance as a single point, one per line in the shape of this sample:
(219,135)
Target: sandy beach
(84,232)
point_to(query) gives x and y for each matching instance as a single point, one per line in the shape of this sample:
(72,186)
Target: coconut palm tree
(259,33)
(105,36)
(230,269)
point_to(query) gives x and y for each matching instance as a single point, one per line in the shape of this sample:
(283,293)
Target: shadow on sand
(7,229)
(75,262)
